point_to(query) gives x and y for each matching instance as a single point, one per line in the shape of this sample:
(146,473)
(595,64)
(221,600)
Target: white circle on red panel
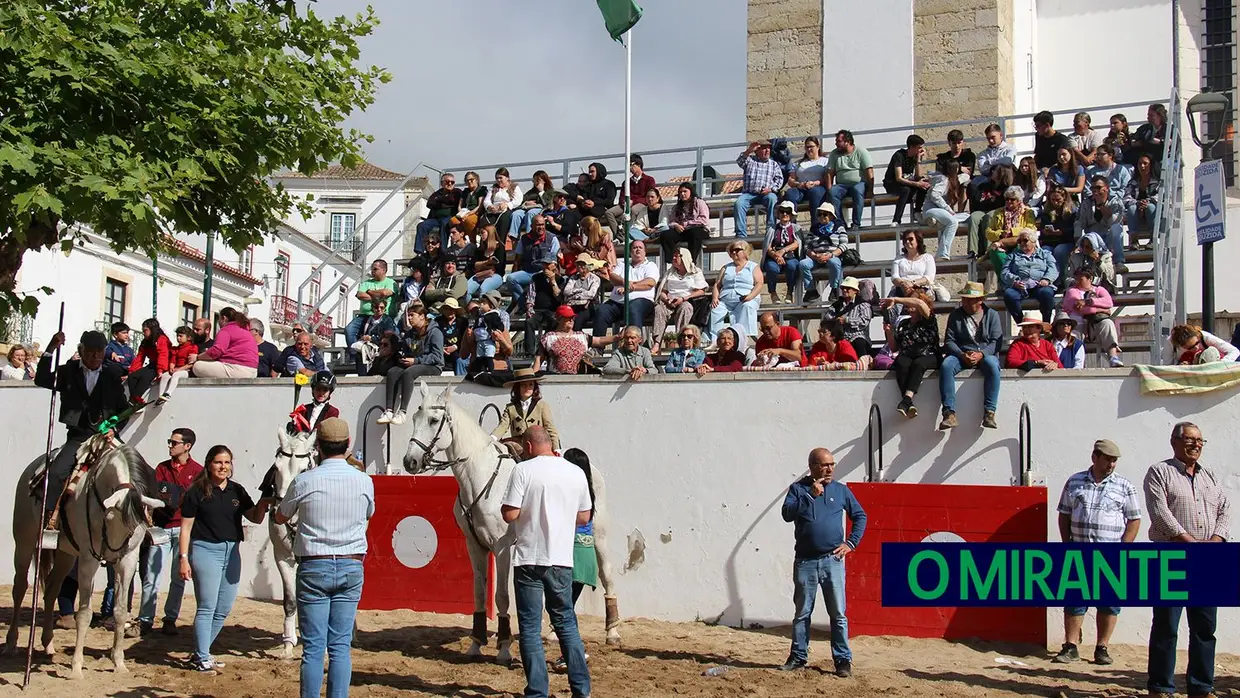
(943,537)
(414,542)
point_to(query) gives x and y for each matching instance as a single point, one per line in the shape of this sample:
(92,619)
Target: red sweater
(157,355)
(180,355)
(1022,351)
(844,353)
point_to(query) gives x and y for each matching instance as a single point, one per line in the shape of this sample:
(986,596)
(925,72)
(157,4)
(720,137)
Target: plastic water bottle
(717,670)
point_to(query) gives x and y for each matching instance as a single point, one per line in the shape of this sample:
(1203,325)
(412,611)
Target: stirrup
(51,539)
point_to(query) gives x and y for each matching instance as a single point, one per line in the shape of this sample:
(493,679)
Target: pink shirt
(234,345)
(1100,301)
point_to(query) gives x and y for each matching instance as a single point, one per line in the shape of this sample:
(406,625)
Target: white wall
(867,64)
(708,461)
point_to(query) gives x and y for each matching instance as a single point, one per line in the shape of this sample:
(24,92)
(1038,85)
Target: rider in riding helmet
(306,417)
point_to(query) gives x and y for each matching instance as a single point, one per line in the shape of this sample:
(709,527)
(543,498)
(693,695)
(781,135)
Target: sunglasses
(174,443)
(734,250)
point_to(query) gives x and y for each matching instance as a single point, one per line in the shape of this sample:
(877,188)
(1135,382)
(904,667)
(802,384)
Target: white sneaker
(1117,362)
(399,417)
(385,418)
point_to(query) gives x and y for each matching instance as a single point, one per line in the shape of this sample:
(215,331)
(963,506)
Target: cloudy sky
(476,82)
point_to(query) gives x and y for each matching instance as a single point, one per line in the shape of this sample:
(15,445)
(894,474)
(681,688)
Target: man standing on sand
(1097,506)
(547,499)
(817,505)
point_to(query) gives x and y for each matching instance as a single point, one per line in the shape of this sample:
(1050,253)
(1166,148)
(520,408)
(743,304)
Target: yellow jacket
(512,423)
(995,230)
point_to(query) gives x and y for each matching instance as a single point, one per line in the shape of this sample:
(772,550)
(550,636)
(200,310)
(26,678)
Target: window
(282,266)
(316,283)
(245,261)
(114,300)
(189,313)
(341,237)
(1218,74)
(342,307)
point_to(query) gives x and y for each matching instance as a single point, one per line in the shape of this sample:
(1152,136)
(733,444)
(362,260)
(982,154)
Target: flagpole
(628,124)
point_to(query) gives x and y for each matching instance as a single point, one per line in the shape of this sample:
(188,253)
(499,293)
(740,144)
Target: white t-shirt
(811,170)
(549,491)
(905,268)
(637,272)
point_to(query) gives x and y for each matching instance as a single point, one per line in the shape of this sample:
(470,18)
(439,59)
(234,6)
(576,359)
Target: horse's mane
(141,475)
(467,429)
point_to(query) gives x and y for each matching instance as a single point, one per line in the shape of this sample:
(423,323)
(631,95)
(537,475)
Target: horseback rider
(305,418)
(90,392)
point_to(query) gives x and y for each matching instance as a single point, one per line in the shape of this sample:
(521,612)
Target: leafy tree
(132,116)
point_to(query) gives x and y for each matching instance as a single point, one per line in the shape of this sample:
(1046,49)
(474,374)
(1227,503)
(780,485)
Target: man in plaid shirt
(1187,504)
(763,180)
(1097,506)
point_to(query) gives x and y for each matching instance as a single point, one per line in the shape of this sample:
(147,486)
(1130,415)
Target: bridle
(290,526)
(108,550)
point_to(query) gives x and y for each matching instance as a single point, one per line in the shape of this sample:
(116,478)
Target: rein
(289,526)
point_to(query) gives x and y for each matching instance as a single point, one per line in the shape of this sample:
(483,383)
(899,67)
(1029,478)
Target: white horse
(293,457)
(444,436)
(104,520)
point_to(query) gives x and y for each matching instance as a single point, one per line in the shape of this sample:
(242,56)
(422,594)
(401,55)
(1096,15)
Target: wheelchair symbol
(1205,205)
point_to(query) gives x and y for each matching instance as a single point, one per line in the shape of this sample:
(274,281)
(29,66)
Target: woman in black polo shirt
(210,535)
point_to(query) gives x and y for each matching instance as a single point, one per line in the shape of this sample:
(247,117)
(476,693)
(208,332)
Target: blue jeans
(1044,295)
(327,596)
(744,202)
(947,224)
(791,270)
(1163,636)
(461,367)
(108,605)
(1114,237)
(517,282)
(157,558)
(352,332)
(611,314)
(1082,610)
(1136,223)
(533,584)
(216,571)
(835,271)
(814,195)
(521,221)
(838,192)
(947,381)
(438,225)
(808,576)
(477,288)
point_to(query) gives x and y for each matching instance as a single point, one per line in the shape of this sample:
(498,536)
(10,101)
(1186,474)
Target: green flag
(620,16)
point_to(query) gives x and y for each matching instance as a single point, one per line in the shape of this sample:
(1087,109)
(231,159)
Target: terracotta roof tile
(183,249)
(363,171)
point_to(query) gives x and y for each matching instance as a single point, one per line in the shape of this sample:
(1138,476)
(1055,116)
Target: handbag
(851,258)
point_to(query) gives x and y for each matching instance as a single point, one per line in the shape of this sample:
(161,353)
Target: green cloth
(369,284)
(585,561)
(849,169)
(620,16)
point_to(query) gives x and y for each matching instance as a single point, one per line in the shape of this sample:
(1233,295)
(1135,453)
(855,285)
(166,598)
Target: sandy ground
(421,654)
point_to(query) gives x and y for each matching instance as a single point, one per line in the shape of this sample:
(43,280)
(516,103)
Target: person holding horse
(90,394)
(526,409)
(547,498)
(333,504)
(210,547)
(585,559)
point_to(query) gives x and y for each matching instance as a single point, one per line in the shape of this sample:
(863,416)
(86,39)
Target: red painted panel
(443,585)
(907,513)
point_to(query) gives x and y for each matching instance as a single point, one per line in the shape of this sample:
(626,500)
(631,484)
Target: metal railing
(872,473)
(286,311)
(1168,235)
(1025,459)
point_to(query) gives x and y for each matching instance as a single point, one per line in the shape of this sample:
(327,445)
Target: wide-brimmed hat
(495,299)
(560,192)
(851,282)
(786,205)
(523,375)
(1027,322)
(1061,316)
(828,209)
(450,303)
(973,289)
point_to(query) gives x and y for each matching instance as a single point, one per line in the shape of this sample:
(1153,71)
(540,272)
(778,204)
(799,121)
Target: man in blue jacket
(816,505)
(974,339)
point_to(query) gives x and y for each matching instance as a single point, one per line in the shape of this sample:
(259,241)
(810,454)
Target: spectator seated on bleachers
(1189,343)
(850,174)
(688,354)
(538,198)
(441,205)
(974,340)
(643,276)
(905,178)
(763,179)
(629,357)
(957,151)
(985,203)
(430,259)
(472,196)
(854,313)
(591,240)
(1092,253)
(1149,137)
(1006,225)
(680,295)
(1057,224)
(1118,137)
(1089,306)
(1068,346)
(779,344)
(454,326)
(737,292)
(998,152)
(947,204)
(562,221)
(640,184)
(781,253)
(303,357)
(731,354)
(653,219)
(488,340)
(597,196)
(490,261)
(421,355)
(823,245)
(533,251)
(1030,351)
(1085,140)
(913,270)
(915,343)
(544,296)
(1030,272)
(387,357)
(1141,197)
(1047,142)
(1117,175)
(503,198)
(461,249)
(807,182)
(1030,181)
(833,352)
(448,283)
(686,224)
(582,287)
(1102,212)
(563,350)
(373,327)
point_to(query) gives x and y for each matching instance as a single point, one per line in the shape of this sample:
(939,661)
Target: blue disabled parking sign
(1210,210)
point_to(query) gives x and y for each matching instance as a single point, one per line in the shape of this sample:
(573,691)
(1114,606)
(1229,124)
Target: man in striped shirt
(1187,504)
(1097,506)
(333,504)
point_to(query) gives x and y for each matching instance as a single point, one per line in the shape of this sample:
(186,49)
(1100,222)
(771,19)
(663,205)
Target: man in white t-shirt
(643,277)
(547,499)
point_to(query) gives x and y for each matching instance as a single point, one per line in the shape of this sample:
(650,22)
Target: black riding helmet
(323,379)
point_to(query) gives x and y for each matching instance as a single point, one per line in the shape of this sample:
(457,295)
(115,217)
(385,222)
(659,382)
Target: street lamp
(1207,104)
